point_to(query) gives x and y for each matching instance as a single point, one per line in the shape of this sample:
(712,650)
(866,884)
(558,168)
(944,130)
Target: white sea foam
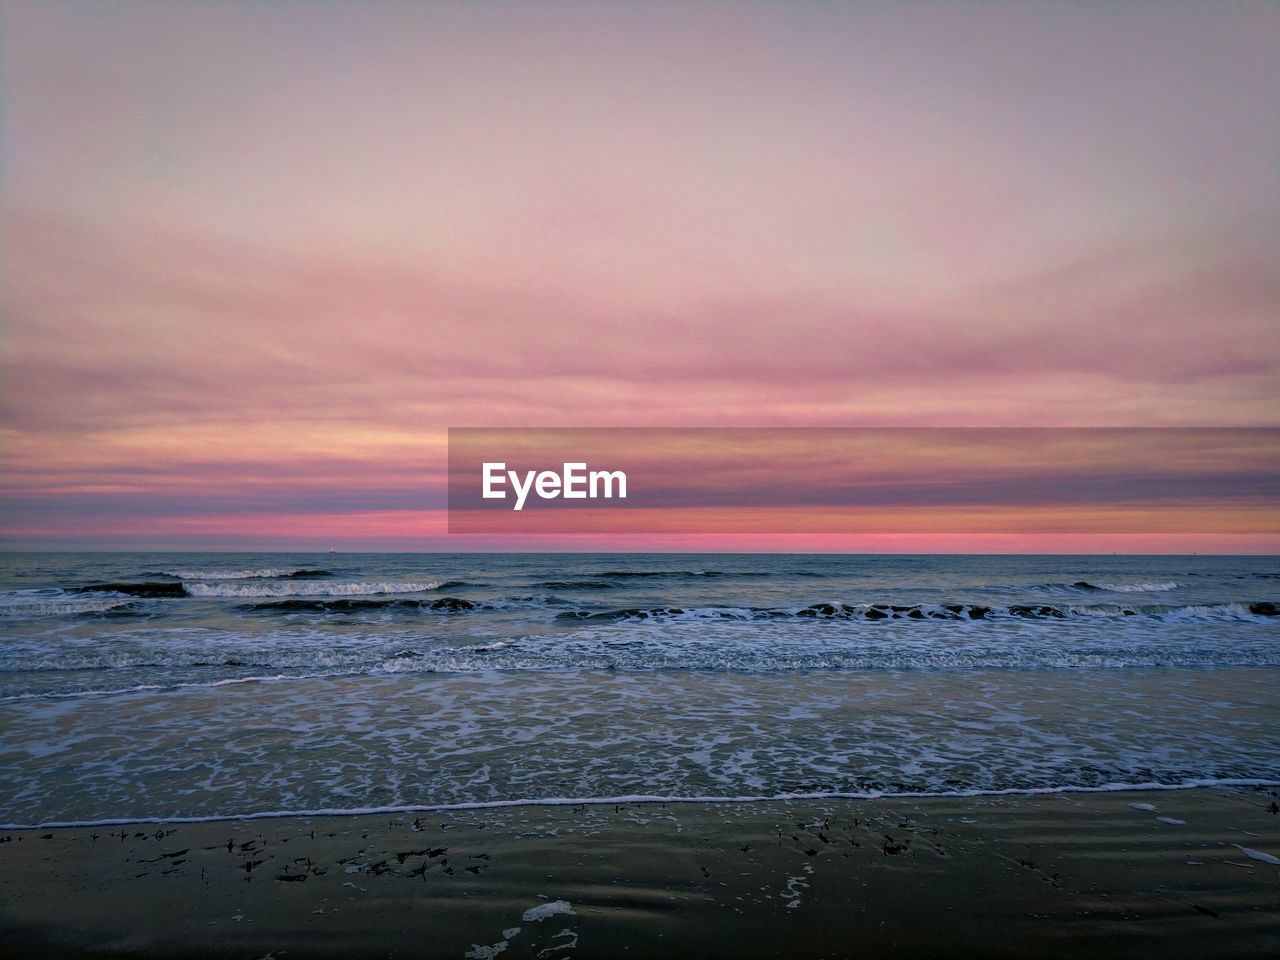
(305,588)
(178,656)
(1214,611)
(173,687)
(329,743)
(1138,587)
(545,910)
(481,952)
(1257,854)
(631,799)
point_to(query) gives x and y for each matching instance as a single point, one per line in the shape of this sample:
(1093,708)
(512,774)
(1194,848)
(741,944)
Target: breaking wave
(151,590)
(1127,587)
(59,607)
(304,589)
(268,574)
(928,611)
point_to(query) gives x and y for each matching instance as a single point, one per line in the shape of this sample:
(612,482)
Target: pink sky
(257,258)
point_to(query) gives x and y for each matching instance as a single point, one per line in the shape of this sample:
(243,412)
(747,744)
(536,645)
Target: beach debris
(1257,854)
(429,853)
(544,910)
(892,847)
(169,856)
(421,871)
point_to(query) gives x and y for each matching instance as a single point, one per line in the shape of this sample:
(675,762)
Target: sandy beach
(1124,874)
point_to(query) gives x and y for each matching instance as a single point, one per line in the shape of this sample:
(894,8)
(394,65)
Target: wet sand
(1069,875)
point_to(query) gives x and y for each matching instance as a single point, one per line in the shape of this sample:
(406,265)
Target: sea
(150,687)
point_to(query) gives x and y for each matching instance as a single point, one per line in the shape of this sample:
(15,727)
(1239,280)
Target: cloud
(110,330)
(289,245)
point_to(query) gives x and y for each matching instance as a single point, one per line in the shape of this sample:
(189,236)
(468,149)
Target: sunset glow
(257,259)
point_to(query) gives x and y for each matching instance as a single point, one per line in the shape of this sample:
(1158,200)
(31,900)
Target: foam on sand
(1257,854)
(545,910)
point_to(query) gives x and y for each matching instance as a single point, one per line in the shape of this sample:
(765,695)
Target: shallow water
(140,686)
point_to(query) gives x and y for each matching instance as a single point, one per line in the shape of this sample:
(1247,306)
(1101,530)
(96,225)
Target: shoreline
(641,800)
(1133,873)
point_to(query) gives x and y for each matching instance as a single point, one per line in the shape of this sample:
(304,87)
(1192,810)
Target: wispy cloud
(267,255)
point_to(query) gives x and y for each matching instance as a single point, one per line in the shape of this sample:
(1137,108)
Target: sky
(256,259)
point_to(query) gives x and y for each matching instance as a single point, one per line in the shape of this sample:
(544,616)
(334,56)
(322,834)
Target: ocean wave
(657,647)
(304,589)
(669,574)
(299,605)
(70,606)
(923,611)
(149,590)
(292,588)
(308,596)
(266,574)
(578,584)
(1127,587)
